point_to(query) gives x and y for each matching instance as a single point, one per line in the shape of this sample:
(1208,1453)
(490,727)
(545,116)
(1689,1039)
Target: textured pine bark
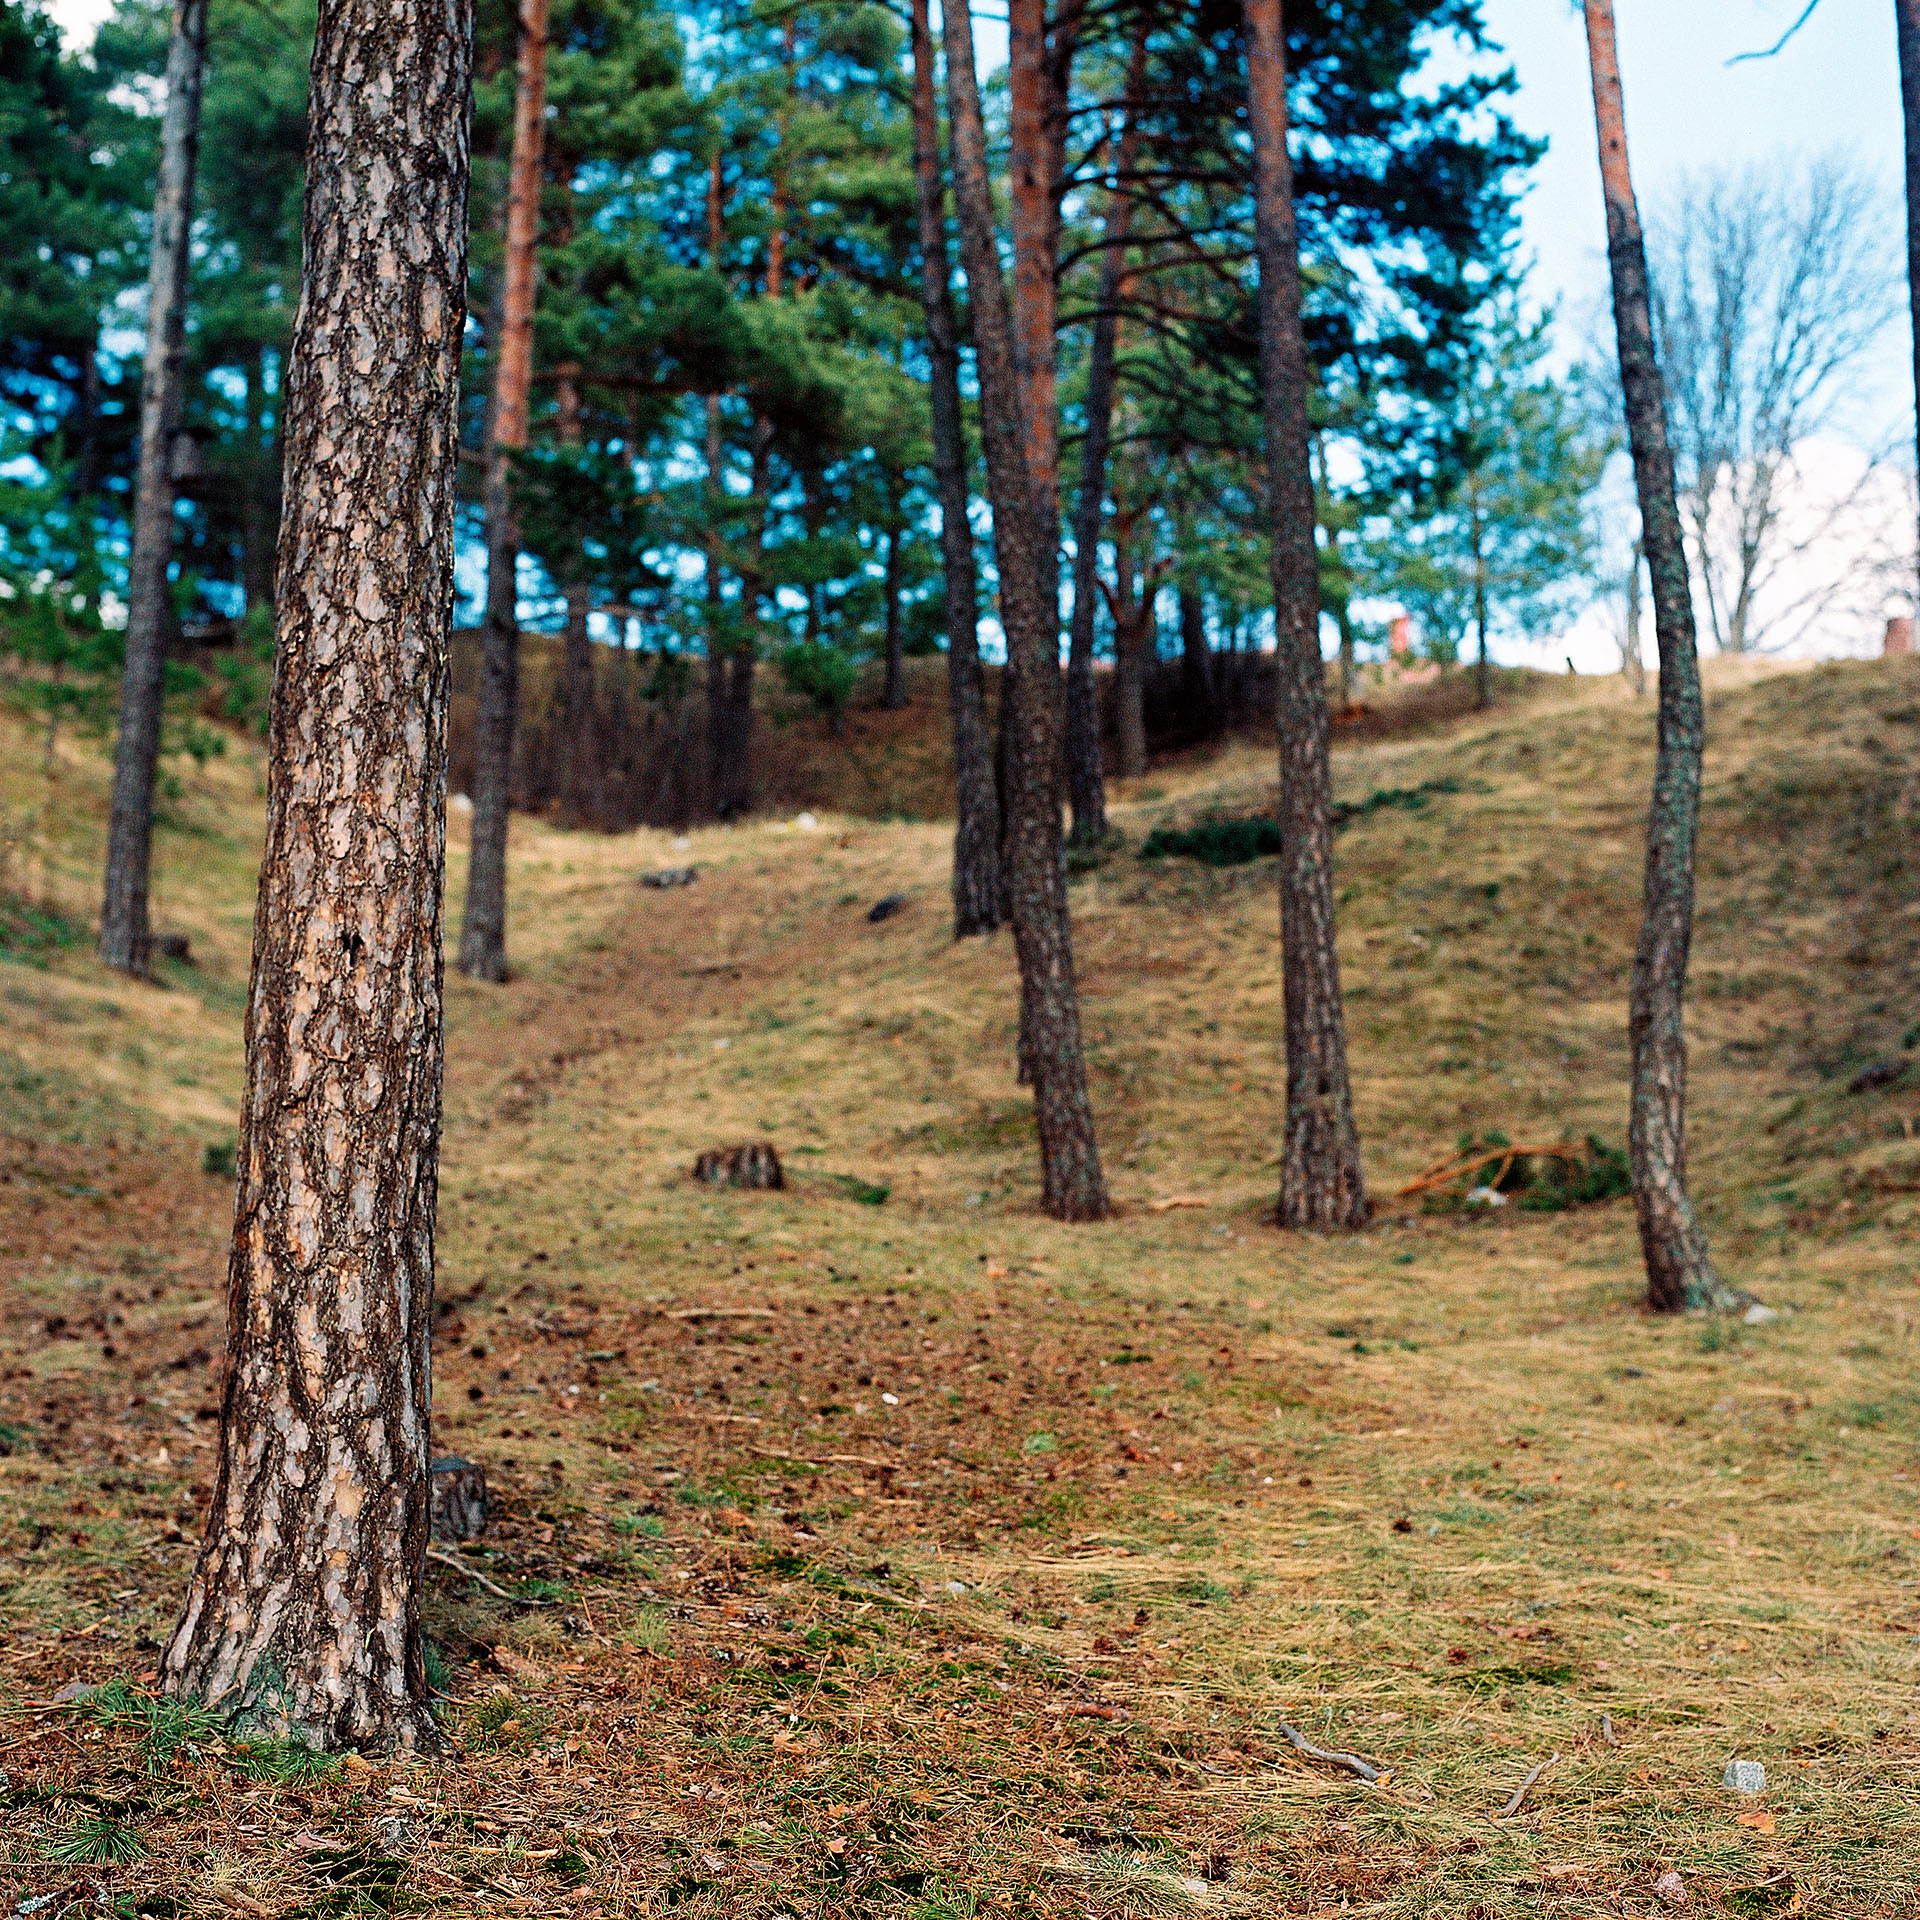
(1086,777)
(483,929)
(1906,15)
(979,903)
(1680,1274)
(1071,1183)
(302,1616)
(1320,1183)
(126,936)
(1196,658)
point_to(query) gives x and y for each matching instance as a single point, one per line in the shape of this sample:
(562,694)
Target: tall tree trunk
(1632,656)
(1071,1182)
(1679,1273)
(1039,67)
(1132,621)
(258,512)
(896,693)
(1196,661)
(1320,1183)
(579,711)
(1906,15)
(979,903)
(303,1614)
(716,666)
(1483,663)
(483,931)
(1086,781)
(126,937)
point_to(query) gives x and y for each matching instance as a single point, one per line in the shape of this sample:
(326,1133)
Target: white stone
(806,823)
(1757,1315)
(1744,1776)
(1672,1889)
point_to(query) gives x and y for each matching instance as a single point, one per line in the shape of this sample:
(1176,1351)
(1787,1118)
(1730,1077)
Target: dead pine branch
(1363,1769)
(1520,1792)
(473,1573)
(1444,1172)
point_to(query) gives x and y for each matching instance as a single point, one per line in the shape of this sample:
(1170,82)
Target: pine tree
(303,1615)
(1320,1180)
(126,938)
(1680,1272)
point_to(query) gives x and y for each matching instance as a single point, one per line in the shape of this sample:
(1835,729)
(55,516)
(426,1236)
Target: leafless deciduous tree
(1769,286)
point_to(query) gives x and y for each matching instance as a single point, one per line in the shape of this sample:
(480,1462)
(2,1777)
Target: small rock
(395,1837)
(1758,1316)
(459,803)
(806,823)
(1744,1776)
(1672,1889)
(35,1902)
(1883,1073)
(886,908)
(681,842)
(1486,1197)
(457,1500)
(754,1165)
(72,1693)
(671,877)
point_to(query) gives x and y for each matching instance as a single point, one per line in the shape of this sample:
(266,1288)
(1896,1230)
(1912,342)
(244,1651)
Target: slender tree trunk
(1483,664)
(979,904)
(716,668)
(303,1614)
(1320,1183)
(483,931)
(1038,70)
(896,693)
(1196,663)
(258,511)
(126,937)
(1906,15)
(1086,779)
(1679,1273)
(1343,620)
(1633,659)
(1130,623)
(579,712)
(1036,876)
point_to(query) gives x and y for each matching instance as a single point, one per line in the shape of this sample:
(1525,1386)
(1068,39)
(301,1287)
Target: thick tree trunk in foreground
(1320,1184)
(1906,15)
(1086,778)
(126,937)
(1036,871)
(979,903)
(1679,1273)
(483,929)
(303,1613)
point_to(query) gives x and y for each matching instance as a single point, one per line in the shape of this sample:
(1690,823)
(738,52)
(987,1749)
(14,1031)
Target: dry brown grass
(1018,1638)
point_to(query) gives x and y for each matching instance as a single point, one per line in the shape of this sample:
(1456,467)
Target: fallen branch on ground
(1445,1172)
(473,1573)
(1520,1792)
(1351,1761)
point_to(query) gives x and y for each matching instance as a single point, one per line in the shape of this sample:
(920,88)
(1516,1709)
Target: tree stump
(753,1165)
(459,1500)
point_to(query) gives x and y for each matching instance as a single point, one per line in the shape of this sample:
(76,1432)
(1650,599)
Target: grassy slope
(1440,1493)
